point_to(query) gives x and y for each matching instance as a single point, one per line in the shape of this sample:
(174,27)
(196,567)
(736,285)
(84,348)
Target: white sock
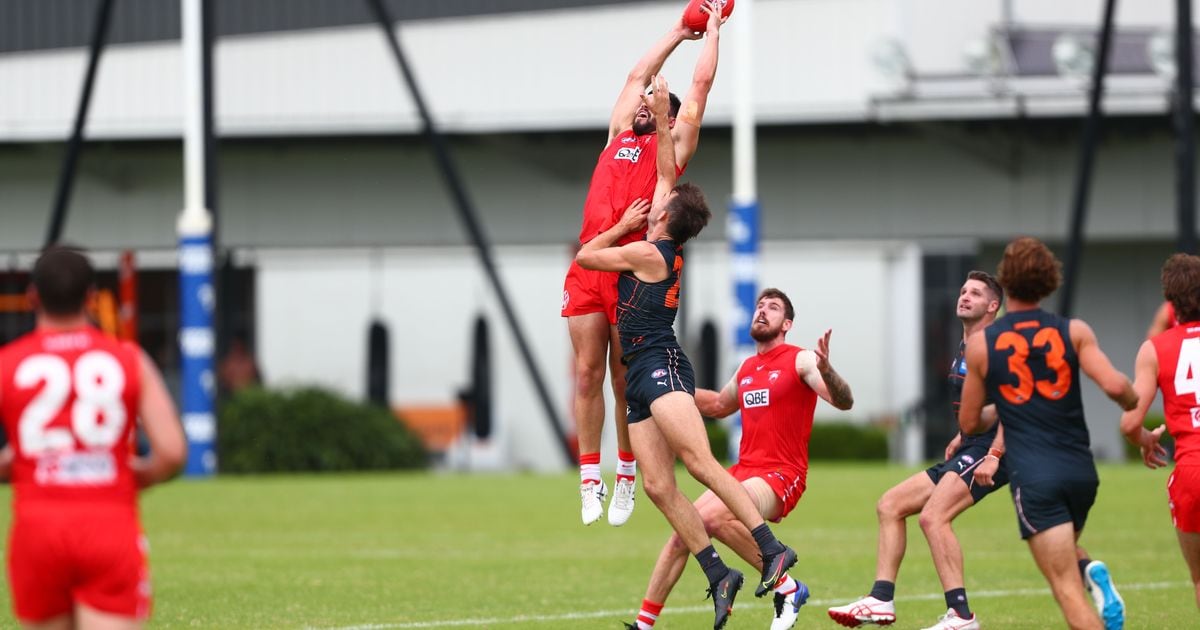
(786,586)
(627,468)
(589,473)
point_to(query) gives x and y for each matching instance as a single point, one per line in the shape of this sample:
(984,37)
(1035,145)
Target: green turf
(425,551)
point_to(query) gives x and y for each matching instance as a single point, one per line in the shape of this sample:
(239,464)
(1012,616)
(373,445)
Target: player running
(663,419)
(1028,363)
(776,391)
(69,398)
(624,173)
(975,464)
(1170,361)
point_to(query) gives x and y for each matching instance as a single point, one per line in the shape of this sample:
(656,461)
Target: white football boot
(864,611)
(621,506)
(951,621)
(592,495)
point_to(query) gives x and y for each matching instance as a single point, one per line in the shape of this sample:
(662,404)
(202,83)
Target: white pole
(197,340)
(743,210)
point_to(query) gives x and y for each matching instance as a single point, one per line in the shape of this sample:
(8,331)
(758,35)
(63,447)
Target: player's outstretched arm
(970,413)
(691,110)
(1145,383)
(639,256)
(718,404)
(813,367)
(1096,365)
(639,77)
(168,448)
(664,161)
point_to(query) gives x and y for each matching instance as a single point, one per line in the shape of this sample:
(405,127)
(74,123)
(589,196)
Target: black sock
(1083,568)
(956,598)
(767,543)
(714,567)
(883,590)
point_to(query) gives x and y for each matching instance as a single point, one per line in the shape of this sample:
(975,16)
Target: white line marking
(629,612)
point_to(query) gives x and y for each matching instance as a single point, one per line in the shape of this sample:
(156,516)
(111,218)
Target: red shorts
(788,484)
(586,291)
(1183,489)
(92,554)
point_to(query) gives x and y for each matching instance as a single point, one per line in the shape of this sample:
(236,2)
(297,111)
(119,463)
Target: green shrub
(310,429)
(1152,422)
(842,440)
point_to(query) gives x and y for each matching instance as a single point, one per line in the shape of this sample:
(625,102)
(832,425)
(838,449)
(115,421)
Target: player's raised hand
(635,215)
(1153,453)
(822,351)
(659,100)
(713,9)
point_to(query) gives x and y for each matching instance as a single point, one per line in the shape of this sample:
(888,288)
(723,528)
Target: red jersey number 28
(1052,341)
(97,414)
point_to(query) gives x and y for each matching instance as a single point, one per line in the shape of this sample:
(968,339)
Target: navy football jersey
(958,372)
(646,310)
(1033,377)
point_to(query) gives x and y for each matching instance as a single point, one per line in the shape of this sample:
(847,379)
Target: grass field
(432,551)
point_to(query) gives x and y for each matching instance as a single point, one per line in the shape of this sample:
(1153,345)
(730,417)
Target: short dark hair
(988,279)
(771,292)
(62,276)
(1181,286)
(687,213)
(1029,271)
(673,109)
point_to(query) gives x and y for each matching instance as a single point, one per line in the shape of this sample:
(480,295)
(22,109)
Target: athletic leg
(1054,551)
(658,481)
(1189,544)
(620,507)
(681,425)
(949,499)
(893,509)
(92,619)
(589,338)
(62,622)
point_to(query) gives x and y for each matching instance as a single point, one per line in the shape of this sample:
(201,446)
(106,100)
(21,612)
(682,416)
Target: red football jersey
(1178,351)
(777,411)
(69,402)
(625,171)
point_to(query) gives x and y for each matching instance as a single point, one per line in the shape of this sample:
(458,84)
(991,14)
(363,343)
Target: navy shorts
(963,463)
(1045,504)
(653,372)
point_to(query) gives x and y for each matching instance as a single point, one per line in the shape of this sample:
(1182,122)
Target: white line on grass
(489,621)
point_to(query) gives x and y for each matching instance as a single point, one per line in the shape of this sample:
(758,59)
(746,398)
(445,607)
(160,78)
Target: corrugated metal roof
(42,24)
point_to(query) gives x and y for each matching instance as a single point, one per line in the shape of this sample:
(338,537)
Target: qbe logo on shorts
(756,398)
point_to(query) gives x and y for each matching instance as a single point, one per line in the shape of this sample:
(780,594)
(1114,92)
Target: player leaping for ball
(624,173)
(663,419)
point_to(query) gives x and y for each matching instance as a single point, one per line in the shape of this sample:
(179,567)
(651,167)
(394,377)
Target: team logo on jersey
(628,139)
(756,398)
(1196,417)
(774,376)
(628,153)
(747,380)
(659,373)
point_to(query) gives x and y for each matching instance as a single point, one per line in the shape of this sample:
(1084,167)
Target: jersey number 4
(97,412)
(1056,349)
(1187,369)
